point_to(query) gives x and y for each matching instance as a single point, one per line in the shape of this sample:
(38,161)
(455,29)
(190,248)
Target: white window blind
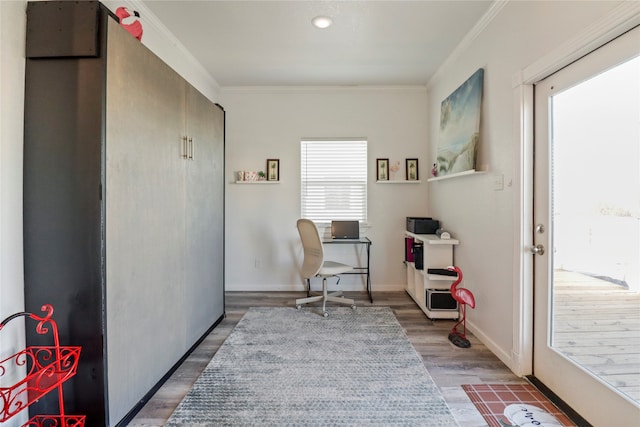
(334,179)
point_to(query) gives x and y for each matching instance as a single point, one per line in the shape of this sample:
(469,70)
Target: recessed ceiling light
(322,21)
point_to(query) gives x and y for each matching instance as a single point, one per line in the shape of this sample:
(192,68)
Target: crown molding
(493,11)
(323,89)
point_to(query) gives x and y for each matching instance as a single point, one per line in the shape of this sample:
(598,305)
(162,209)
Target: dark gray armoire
(123,207)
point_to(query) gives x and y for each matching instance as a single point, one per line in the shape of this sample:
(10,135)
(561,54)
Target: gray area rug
(284,367)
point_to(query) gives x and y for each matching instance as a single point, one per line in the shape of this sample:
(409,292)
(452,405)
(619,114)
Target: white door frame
(618,21)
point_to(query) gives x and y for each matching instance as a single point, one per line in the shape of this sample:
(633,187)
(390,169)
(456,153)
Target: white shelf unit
(437,253)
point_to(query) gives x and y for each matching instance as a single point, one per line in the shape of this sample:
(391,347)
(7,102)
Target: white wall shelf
(456,175)
(257,182)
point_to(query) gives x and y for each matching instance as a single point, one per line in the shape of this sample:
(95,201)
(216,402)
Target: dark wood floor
(449,366)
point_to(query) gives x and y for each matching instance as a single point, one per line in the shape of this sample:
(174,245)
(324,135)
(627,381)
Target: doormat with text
(492,399)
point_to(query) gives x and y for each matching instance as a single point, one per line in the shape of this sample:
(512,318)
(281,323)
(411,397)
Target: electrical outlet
(498,182)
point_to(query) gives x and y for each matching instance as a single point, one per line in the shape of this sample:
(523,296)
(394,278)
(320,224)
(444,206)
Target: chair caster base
(325,313)
(353,307)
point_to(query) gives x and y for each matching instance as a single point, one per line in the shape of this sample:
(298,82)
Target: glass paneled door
(587,233)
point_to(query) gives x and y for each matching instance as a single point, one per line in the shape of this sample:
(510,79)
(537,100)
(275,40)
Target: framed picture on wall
(382,169)
(412,170)
(460,127)
(273,169)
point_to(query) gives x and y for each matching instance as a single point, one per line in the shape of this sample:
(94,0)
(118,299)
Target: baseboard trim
(145,399)
(301,288)
(500,353)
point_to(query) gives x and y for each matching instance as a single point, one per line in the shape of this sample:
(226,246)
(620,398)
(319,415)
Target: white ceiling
(267,43)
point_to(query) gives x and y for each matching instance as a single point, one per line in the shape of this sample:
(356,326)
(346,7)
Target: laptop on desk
(345,230)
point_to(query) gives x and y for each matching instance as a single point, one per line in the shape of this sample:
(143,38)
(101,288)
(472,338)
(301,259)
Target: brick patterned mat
(491,399)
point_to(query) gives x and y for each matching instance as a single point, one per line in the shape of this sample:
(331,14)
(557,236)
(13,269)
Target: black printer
(421,225)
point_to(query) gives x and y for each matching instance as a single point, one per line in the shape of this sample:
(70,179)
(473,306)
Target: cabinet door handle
(183,150)
(190,148)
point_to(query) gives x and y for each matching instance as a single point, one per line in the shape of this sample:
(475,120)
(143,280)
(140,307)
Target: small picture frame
(382,169)
(412,170)
(273,169)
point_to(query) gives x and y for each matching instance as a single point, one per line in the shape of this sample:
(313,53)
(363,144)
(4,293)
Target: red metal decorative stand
(47,368)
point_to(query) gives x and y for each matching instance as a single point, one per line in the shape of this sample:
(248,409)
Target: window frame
(355,186)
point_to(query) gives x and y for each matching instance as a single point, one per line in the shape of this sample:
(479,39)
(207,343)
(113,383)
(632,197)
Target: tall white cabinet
(426,288)
(124,206)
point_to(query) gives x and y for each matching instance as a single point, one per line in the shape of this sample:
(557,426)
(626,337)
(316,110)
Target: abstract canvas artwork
(460,127)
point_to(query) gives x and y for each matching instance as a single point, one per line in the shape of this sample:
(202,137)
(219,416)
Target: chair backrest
(312,246)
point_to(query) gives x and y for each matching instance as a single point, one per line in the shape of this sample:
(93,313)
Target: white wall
(262,244)
(12,36)
(486,220)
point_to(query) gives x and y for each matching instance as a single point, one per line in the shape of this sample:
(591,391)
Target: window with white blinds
(334,179)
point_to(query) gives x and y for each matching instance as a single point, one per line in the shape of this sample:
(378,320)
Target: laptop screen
(345,230)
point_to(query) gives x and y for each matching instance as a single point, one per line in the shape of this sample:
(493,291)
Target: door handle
(537,250)
(184,148)
(190,148)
